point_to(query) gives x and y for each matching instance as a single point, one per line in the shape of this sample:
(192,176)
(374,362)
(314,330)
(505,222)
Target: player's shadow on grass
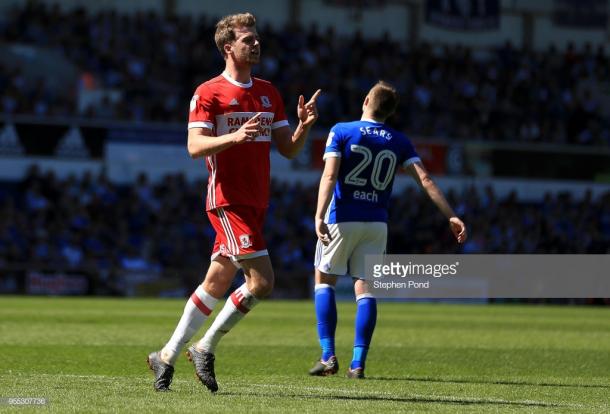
(387,398)
(491,381)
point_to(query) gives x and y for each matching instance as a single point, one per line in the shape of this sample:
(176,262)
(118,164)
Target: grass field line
(326,392)
(76,376)
(398,397)
(506,382)
(509,382)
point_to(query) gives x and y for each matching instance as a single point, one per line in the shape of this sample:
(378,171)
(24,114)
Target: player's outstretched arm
(290,144)
(200,145)
(325,192)
(423,179)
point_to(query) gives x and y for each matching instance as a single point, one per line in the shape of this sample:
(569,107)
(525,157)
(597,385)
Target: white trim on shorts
(235,259)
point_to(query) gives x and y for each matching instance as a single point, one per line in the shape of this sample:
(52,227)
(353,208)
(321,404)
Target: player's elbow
(330,177)
(195,151)
(426,181)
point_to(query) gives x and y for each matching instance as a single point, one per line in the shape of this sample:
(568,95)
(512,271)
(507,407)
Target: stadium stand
(146,66)
(142,67)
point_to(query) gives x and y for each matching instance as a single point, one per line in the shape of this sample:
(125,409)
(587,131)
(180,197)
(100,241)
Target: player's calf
(259,275)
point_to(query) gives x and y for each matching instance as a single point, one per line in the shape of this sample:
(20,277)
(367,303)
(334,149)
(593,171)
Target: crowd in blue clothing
(90,223)
(153,63)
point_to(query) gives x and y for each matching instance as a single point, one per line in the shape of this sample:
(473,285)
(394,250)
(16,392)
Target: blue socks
(366,317)
(326,313)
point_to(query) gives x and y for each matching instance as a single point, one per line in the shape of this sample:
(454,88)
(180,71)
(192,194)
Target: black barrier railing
(70,138)
(43,279)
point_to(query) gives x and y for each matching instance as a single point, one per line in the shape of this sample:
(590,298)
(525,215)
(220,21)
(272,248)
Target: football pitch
(89,355)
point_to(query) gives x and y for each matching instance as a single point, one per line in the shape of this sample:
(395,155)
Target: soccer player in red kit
(233,119)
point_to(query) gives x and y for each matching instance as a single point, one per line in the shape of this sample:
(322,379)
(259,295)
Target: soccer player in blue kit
(361,159)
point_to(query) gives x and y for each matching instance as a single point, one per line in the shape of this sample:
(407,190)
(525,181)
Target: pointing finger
(256,117)
(315,96)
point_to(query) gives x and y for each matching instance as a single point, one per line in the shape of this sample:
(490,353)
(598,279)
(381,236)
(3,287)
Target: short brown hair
(224,28)
(383,100)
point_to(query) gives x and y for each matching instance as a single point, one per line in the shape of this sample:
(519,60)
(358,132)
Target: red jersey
(240,174)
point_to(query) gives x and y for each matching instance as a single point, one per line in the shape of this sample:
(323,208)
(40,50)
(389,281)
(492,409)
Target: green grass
(88,355)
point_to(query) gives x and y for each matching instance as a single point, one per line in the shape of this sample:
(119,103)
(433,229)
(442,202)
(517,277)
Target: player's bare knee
(361,287)
(219,277)
(263,291)
(325,278)
(216,288)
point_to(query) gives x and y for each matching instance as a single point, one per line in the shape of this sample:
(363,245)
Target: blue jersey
(370,154)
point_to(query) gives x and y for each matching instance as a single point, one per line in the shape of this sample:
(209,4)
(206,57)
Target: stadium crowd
(90,223)
(153,63)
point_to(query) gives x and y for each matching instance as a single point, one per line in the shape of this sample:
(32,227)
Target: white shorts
(351,241)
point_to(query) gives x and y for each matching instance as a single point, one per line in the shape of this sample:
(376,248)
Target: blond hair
(225,28)
(383,100)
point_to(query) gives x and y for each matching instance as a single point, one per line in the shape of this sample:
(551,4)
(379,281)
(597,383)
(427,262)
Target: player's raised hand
(458,228)
(308,112)
(322,232)
(248,130)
